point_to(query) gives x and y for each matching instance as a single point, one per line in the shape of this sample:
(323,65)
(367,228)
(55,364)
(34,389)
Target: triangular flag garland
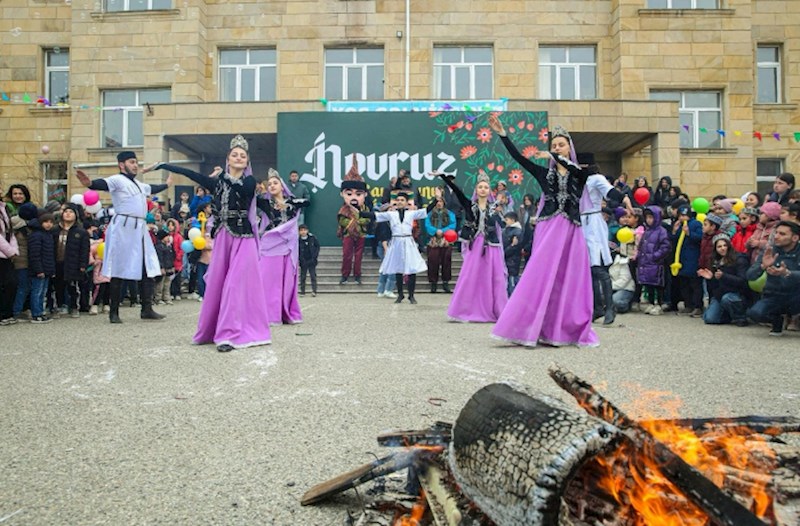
(41,101)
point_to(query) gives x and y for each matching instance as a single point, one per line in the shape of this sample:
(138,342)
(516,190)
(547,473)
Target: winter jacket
(620,272)
(513,253)
(734,278)
(76,253)
(41,251)
(197,204)
(654,248)
(177,240)
(690,251)
(166,257)
(660,196)
(707,250)
(20,227)
(309,251)
(760,239)
(8,242)
(739,240)
(779,285)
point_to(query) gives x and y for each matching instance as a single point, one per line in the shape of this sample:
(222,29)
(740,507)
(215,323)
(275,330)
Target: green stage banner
(319,145)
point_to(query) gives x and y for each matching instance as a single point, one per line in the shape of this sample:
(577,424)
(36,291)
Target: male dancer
(595,230)
(129,252)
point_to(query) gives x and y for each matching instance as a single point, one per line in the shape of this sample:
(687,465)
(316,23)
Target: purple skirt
(234,309)
(279,276)
(481,288)
(553,301)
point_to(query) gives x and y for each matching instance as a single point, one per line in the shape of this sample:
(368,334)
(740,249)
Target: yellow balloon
(101,250)
(701,217)
(199,243)
(737,207)
(625,235)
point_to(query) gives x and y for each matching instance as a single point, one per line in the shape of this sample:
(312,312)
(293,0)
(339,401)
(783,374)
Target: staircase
(329,273)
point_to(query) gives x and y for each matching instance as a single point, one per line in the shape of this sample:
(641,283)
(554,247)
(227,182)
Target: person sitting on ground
(726,280)
(781,294)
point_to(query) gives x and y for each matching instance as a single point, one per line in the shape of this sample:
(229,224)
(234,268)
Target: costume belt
(406,235)
(590,213)
(128,216)
(233,214)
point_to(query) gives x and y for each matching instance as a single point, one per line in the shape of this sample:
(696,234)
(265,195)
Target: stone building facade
(653,87)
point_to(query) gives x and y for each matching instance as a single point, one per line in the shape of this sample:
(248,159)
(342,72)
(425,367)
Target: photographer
(726,279)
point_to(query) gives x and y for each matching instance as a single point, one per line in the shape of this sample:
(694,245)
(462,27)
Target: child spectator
(72,259)
(790,212)
(174,229)
(41,263)
(723,208)
(687,285)
(8,251)
(654,248)
(622,283)
(726,279)
(309,254)
(202,265)
(711,227)
(19,223)
(512,247)
(101,298)
(767,220)
(166,259)
(748,222)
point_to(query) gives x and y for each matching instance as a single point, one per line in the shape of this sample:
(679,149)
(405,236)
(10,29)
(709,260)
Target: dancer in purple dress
(481,289)
(553,301)
(234,313)
(279,250)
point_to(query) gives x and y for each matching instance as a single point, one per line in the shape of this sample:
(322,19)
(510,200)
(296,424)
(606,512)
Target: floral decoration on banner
(470,135)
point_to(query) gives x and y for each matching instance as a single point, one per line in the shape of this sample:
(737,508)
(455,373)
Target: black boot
(225,347)
(608,297)
(433,287)
(115,293)
(412,285)
(446,287)
(597,294)
(148,291)
(399,279)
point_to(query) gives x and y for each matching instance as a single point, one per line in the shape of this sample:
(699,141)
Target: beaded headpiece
(239,142)
(483,178)
(716,238)
(558,131)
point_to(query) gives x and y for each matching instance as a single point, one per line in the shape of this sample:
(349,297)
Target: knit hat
(719,236)
(714,219)
(751,211)
(75,208)
(619,212)
(27,211)
(726,204)
(52,206)
(772,209)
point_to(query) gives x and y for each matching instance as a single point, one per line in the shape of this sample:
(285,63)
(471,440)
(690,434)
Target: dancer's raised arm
(209,183)
(466,204)
(538,172)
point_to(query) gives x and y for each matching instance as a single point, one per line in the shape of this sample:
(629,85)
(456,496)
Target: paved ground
(133,425)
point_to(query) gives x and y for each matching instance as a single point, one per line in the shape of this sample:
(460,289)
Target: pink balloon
(90,197)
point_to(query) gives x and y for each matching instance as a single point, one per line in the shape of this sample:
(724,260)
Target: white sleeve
(422,213)
(381,217)
(146,189)
(113,183)
(599,183)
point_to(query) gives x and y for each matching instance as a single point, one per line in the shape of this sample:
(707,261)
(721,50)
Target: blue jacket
(690,251)
(451,225)
(41,251)
(197,204)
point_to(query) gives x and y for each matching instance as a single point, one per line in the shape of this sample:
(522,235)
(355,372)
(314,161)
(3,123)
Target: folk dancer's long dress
(279,261)
(481,291)
(234,309)
(552,303)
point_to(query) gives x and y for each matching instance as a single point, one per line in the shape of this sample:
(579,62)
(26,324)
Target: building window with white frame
(683,4)
(700,114)
(769,74)
(767,169)
(354,74)
(56,75)
(567,72)
(463,73)
(122,123)
(137,5)
(54,177)
(247,75)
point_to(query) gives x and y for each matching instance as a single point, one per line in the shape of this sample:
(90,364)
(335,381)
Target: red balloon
(450,236)
(641,196)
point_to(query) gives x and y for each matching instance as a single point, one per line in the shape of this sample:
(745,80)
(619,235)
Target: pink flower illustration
(468,151)
(543,135)
(484,135)
(530,151)
(515,176)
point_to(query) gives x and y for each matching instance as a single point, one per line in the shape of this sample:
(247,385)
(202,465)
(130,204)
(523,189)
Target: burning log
(700,490)
(513,452)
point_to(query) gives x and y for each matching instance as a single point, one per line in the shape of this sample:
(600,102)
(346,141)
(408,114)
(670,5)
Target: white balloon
(95,208)
(193,233)
(77,199)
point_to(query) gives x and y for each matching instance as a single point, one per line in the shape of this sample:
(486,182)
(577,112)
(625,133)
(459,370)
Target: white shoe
(93,310)
(381,294)
(389,294)
(195,296)
(176,298)
(200,299)
(655,310)
(106,308)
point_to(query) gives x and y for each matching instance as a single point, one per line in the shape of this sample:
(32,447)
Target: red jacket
(739,240)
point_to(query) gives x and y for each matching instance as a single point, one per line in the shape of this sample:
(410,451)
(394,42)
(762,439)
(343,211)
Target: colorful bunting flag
(777,136)
(757,135)
(796,136)
(5,97)
(721,133)
(26,99)
(686,127)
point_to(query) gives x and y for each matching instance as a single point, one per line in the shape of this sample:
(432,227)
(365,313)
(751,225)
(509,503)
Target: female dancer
(233,313)
(279,250)
(555,303)
(481,289)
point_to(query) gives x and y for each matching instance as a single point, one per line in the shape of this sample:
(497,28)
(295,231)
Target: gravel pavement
(131,424)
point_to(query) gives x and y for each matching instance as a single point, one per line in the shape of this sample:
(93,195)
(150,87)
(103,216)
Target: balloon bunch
(89,200)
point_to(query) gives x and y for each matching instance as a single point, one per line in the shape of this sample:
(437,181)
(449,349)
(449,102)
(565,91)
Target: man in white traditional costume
(402,257)
(129,250)
(595,230)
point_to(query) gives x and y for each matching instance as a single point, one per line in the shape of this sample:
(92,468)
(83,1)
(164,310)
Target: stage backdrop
(319,145)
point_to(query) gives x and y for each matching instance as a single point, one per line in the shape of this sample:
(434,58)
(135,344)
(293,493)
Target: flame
(633,478)
(417,512)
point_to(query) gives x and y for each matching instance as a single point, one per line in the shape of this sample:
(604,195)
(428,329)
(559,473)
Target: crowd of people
(633,248)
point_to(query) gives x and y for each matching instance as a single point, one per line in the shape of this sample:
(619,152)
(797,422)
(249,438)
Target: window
(122,115)
(769,74)
(700,116)
(137,5)
(682,4)
(463,72)
(766,172)
(56,75)
(567,73)
(354,74)
(247,74)
(54,175)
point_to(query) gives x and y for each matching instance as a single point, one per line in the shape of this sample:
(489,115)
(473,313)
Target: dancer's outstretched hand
(83,178)
(496,125)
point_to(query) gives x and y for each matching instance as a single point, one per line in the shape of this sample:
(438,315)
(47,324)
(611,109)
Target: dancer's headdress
(353,180)
(239,142)
(559,131)
(272,172)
